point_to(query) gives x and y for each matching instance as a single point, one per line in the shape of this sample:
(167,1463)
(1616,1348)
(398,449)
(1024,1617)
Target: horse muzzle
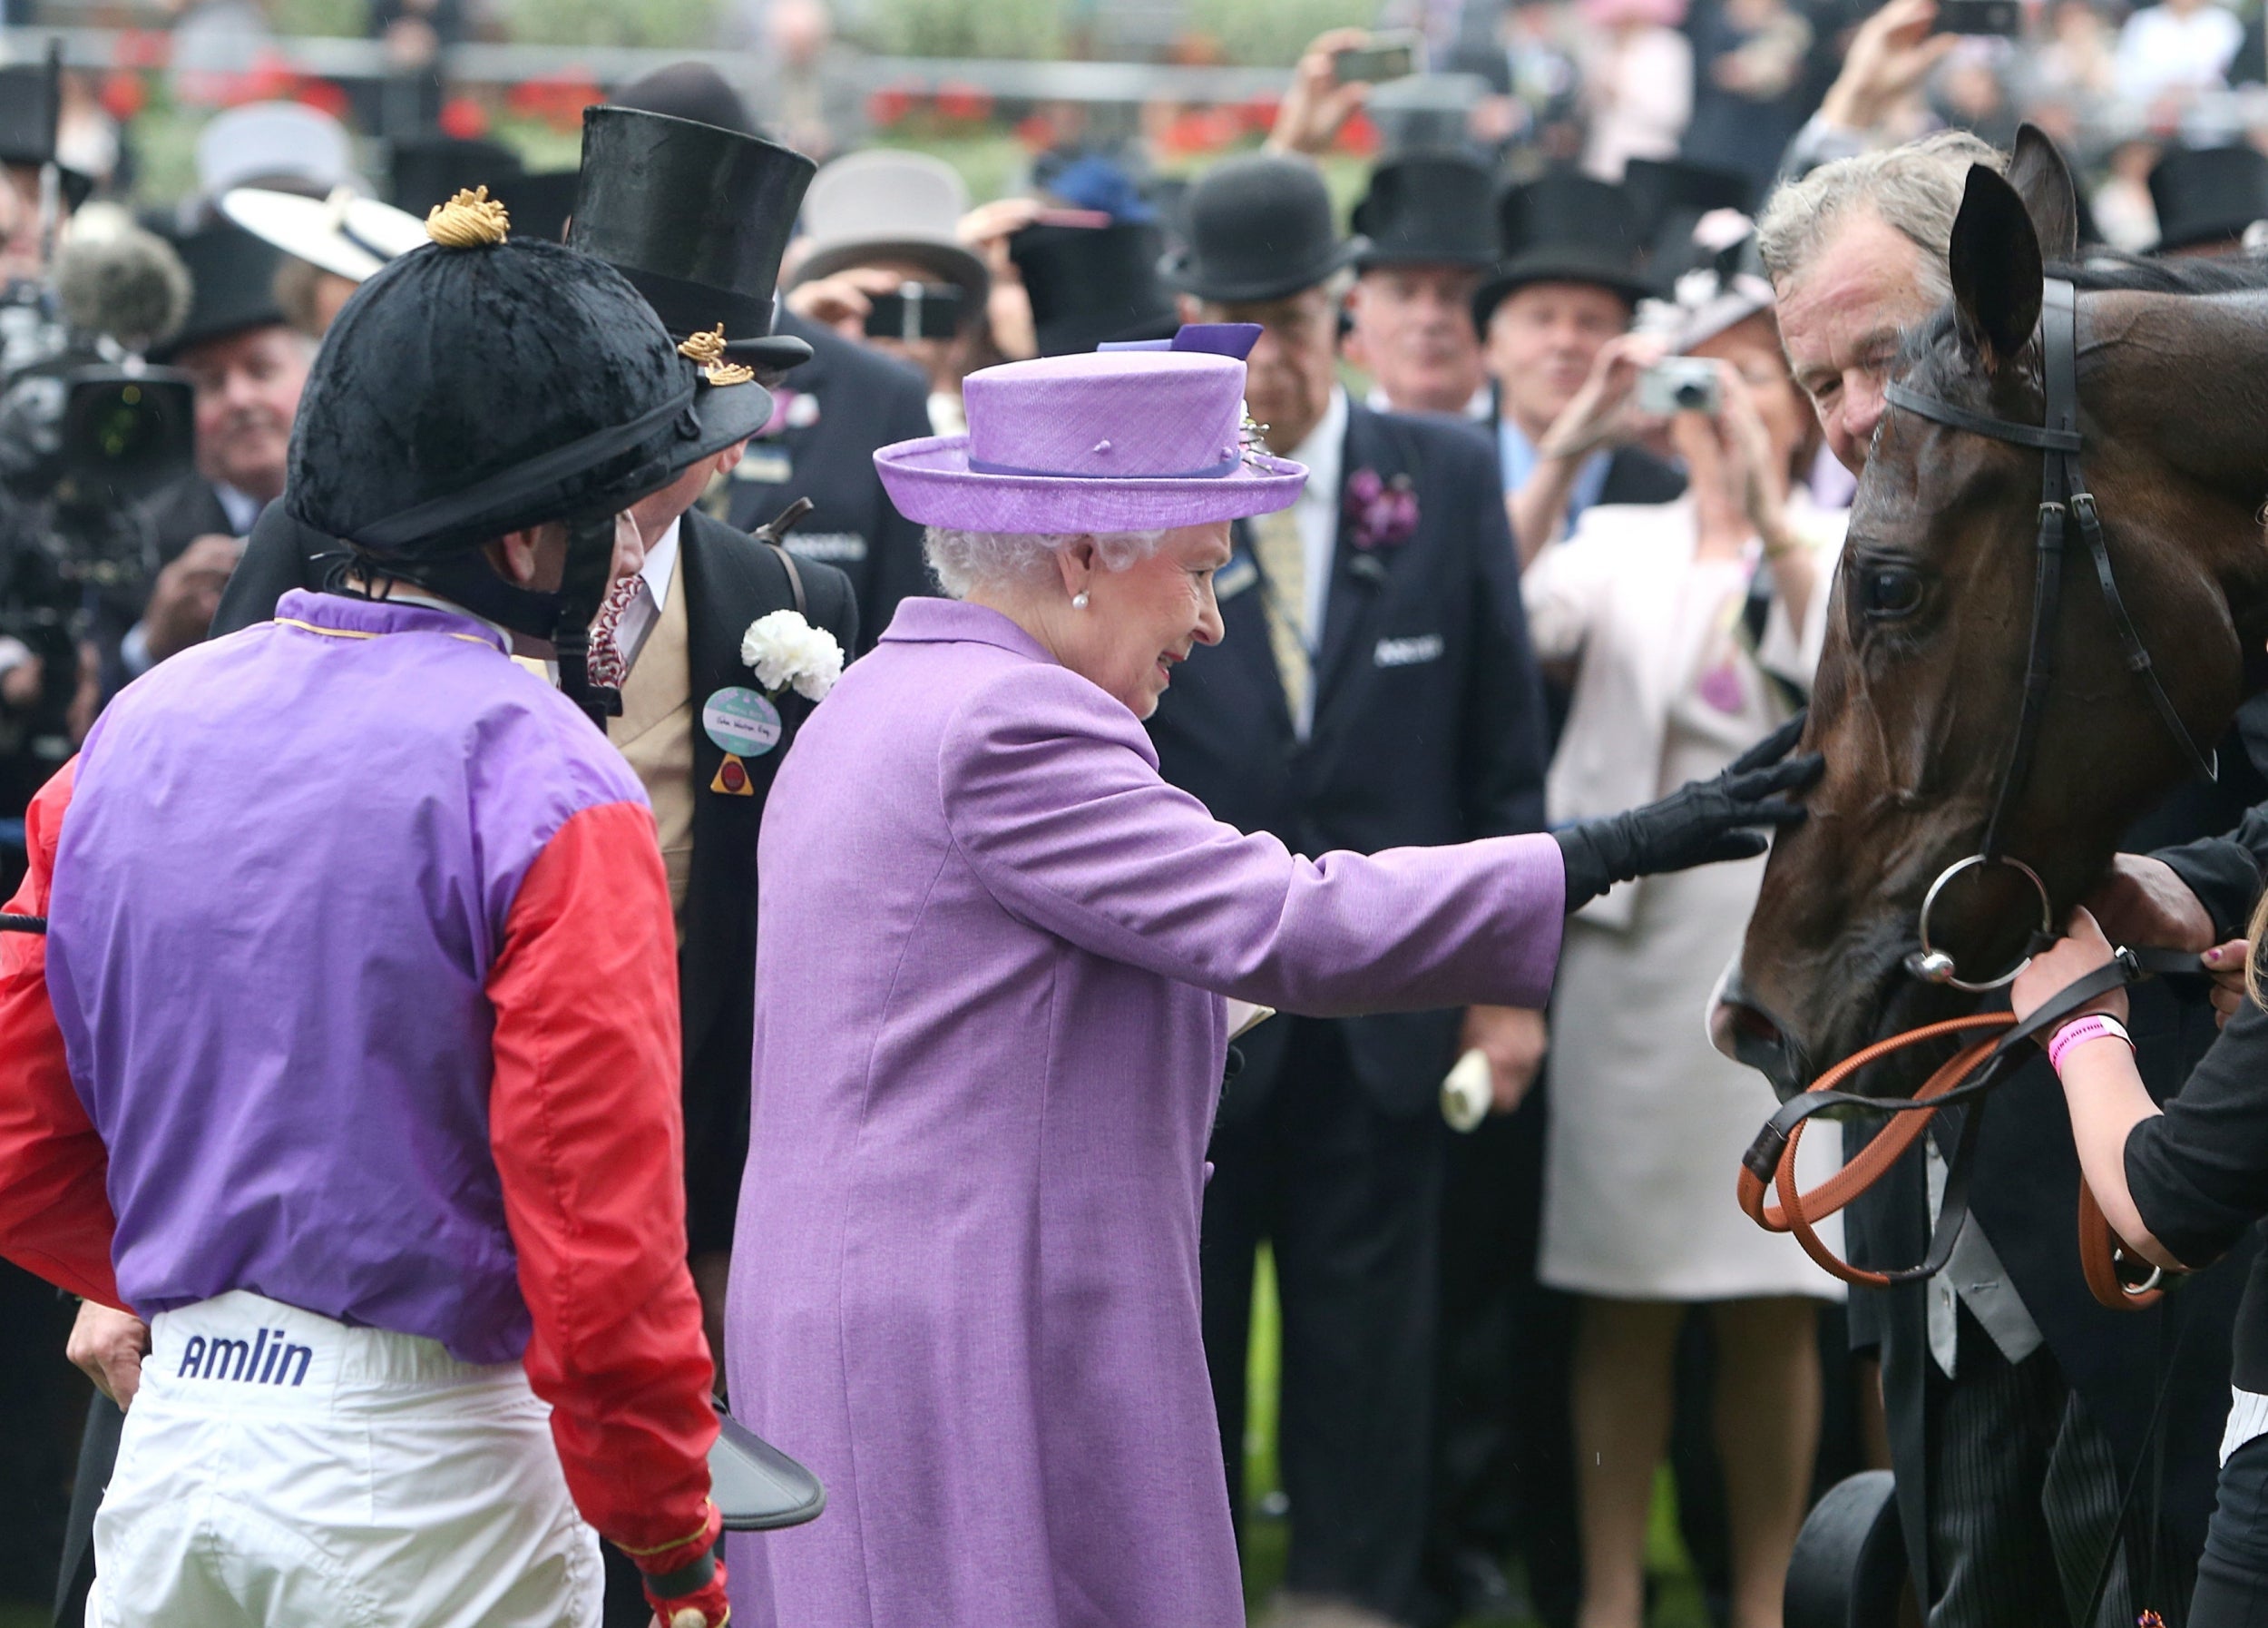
(1744,1030)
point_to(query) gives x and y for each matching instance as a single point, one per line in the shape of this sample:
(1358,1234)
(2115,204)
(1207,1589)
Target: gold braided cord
(470,219)
(706,352)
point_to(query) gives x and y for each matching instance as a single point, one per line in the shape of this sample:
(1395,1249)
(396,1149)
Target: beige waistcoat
(655,733)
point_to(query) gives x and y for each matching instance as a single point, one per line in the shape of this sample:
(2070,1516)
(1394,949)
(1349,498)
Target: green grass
(1677,1594)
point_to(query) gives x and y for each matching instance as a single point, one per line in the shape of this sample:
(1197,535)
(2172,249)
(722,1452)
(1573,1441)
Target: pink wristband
(2095,1026)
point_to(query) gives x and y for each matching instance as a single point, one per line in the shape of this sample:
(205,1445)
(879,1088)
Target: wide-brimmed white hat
(345,234)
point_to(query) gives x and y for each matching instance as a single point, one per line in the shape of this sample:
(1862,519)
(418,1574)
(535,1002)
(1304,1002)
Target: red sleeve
(54,1212)
(587,1129)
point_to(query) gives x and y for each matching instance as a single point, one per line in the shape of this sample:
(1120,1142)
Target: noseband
(2063,498)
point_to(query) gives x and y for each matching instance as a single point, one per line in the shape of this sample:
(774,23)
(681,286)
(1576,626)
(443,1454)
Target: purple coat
(991,961)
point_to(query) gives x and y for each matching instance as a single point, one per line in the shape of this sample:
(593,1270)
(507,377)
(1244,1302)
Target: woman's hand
(2226,962)
(1316,104)
(1602,410)
(2080,951)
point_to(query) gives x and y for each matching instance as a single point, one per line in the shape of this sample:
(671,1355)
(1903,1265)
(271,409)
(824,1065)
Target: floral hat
(1133,438)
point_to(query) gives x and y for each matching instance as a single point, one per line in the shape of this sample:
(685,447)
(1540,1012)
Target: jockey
(350,1059)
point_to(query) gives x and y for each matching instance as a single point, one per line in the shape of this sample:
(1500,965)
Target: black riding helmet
(481,384)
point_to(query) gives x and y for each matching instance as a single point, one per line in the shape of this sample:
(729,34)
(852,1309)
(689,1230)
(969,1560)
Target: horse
(1918,690)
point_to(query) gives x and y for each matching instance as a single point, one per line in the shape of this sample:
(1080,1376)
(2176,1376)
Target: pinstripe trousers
(2023,1498)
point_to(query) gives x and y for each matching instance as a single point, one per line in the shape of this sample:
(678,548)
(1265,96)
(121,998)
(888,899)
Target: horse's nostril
(1753,1024)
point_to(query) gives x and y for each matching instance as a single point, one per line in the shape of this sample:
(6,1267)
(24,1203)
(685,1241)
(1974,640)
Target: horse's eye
(1886,591)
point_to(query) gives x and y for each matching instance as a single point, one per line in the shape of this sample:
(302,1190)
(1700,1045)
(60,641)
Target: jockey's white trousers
(281,1468)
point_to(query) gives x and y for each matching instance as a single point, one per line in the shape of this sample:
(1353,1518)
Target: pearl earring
(1078,600)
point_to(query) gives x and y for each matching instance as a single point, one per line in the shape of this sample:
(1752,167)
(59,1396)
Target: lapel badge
(741,722)
(732,778)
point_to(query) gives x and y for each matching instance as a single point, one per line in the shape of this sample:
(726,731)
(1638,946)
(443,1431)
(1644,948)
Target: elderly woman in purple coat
(996,958)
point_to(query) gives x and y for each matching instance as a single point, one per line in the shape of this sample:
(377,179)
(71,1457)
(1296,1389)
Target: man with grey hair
(2017,1408)
(1856,250)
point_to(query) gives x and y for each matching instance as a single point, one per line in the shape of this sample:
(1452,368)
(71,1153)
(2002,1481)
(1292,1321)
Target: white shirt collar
(242,508)
(661,559)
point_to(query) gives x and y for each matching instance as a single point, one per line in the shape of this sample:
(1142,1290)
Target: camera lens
(1690,396)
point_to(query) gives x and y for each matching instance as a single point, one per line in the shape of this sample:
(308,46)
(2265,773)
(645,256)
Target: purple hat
(1111,441)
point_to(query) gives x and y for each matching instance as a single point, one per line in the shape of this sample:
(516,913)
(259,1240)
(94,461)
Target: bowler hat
(233,286)
(31,104)
(1087,284)
(1428,208)
(469,390)
(688,90)
(1563,227)
(1259,228)
(697,218)
(2207,195)
(1108,441)
(886,205)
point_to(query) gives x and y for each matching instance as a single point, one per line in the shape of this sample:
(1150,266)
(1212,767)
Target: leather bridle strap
(1769,1166)
(2063,495)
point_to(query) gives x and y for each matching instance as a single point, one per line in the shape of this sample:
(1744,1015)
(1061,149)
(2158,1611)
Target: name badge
(765,463)
(1409,653)
(1235,577)
(741,721)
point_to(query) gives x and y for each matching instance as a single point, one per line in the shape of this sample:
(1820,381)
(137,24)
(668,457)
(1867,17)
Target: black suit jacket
(730,580)
(864,401)
(1428,715)
(1635,476)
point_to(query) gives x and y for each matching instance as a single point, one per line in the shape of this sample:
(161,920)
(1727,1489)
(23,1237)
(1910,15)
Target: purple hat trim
(1213,338)
(1113,440)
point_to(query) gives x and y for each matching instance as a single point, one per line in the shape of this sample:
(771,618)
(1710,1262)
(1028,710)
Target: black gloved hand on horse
(1700,823)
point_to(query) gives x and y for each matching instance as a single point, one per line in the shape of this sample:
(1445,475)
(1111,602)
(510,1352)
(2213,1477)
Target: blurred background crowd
(1500,212)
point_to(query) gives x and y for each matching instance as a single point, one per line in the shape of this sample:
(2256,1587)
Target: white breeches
(281,1468)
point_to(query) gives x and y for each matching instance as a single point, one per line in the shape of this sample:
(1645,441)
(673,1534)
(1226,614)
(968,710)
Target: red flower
(1358,135)
(464,118)
(964,103)
(1385,512)
(124,94)
(890,105)
(323,96)
(1036,131)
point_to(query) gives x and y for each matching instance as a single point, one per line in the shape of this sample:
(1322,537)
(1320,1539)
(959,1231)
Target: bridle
(2063,498)
(1769,1166)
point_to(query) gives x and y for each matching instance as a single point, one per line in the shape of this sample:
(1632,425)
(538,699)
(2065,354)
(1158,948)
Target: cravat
(609,666)
(1282,553)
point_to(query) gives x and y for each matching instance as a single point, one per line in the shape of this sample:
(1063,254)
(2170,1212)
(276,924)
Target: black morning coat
(1428,717)
(864,400)
(2025,1193)
(730,580)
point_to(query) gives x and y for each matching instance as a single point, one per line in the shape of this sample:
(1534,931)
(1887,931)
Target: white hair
(1915,189)
(965,559)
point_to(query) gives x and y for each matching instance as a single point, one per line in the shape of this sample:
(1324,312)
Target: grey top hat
(888,205)
(1259,228)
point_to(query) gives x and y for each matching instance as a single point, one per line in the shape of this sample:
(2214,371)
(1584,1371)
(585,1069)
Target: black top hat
(1089,285)
(1669,196)
(689,89)
(31,103)
(1563,227)
(233,286)
(2207,195)
(1259,228)
(697,218)
(1428,208)
(543,204)
(465,392)
(431,170)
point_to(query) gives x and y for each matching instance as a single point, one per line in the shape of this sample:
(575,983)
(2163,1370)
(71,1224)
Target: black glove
(1699,823)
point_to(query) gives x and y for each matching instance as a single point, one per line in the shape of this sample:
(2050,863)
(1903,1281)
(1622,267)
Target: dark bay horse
(1916,701)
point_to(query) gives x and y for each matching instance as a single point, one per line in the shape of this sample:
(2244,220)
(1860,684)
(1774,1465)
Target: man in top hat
(1567,286)
(1088,284)
(31,110)
(247,365)
(2206,196)
(830,415)
(404,1223)
(875,223)
(1427,241)
(1374,689)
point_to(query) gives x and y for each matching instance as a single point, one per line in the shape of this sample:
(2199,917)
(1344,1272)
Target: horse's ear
(2043,181)
(1995,262)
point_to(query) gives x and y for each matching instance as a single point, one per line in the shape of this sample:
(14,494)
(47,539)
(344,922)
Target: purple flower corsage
(1385,510)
